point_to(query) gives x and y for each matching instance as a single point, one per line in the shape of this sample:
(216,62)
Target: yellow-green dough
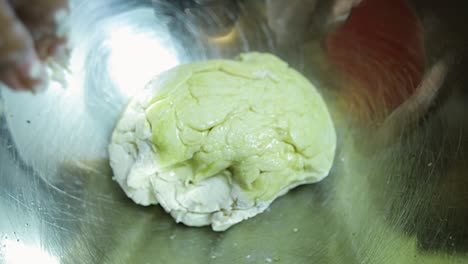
(215,142)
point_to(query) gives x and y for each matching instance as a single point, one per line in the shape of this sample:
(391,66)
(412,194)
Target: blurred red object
(380,51)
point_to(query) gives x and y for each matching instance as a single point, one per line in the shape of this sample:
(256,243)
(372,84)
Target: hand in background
(30,33)
(295,18)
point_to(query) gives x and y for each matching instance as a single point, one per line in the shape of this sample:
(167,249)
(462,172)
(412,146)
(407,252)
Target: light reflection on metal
(136,57)
(16,252)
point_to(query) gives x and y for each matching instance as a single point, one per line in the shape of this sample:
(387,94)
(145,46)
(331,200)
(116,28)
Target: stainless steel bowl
(405,201)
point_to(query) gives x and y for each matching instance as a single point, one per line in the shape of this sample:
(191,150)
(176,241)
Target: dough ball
(215,142)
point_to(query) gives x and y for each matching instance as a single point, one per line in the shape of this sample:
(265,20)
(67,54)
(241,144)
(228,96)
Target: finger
(342,8)
(289,18)
(19,65)
(47,23)
(412,110)
(9,79)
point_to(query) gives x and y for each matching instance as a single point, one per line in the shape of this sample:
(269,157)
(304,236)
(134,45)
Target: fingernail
(60,55)
(38,73)
(61,19)
(34,70)
(31,74)
(44,47)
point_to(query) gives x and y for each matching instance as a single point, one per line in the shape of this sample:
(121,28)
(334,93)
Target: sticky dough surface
(215,142)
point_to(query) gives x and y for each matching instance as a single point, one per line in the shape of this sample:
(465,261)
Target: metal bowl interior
(404,202)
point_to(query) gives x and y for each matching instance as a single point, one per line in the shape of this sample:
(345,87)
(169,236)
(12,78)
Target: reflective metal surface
(405,201)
